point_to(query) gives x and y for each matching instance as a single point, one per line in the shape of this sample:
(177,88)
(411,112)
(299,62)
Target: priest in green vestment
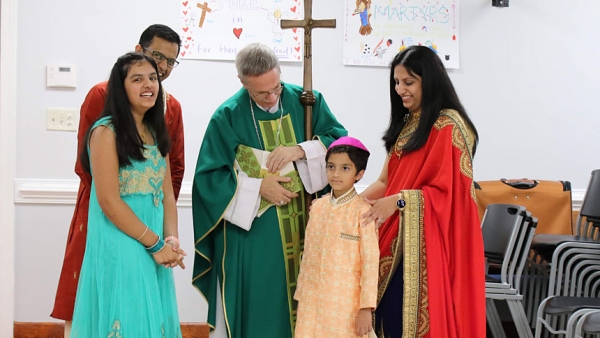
(248,201)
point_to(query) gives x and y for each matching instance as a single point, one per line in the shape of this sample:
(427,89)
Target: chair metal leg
(529,284)
(493,319)
(518,316)
(541,292)
(539,326)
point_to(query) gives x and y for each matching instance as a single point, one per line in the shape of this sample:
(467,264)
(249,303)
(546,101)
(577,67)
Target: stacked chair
(573,289)
(564,275)
(508,231)
(589,323)
(551,283)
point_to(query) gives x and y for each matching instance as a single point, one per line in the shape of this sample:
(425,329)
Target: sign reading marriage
(217,29)
(376,30)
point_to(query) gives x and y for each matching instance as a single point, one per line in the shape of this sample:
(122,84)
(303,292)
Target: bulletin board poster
(217,29)
(376,30)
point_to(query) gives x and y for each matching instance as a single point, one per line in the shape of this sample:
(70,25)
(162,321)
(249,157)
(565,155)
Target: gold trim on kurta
(350,237)
(345,198)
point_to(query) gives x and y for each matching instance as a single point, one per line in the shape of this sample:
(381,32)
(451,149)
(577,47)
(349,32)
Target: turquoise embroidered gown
(122,291)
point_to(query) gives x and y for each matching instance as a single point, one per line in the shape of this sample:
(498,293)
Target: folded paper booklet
(253,162)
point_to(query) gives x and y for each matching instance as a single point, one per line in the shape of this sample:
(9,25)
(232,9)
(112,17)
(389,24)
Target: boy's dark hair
(160,31)
(358,156)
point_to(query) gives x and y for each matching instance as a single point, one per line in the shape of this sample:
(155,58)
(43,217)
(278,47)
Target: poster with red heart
(376,30)
(217,29)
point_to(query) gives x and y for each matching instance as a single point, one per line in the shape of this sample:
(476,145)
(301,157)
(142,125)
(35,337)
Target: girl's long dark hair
(129,143)
(438,93)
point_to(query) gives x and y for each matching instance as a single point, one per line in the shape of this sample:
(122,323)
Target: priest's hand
(381,209)
(272,191)
(308,98)
(282,156)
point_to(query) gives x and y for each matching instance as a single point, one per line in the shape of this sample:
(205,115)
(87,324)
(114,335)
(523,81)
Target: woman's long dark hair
(438,93)
(129,143)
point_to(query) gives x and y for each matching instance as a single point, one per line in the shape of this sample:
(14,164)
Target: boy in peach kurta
(337,285)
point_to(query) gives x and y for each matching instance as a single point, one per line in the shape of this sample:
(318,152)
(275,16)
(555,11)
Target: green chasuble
(256,269)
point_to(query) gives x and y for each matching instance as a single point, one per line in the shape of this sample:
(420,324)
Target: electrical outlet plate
(63,119)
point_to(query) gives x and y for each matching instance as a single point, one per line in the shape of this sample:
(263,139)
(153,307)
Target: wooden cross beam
(308,24)
(205,9)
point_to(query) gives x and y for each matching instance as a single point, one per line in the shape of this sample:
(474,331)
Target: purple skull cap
(348,141)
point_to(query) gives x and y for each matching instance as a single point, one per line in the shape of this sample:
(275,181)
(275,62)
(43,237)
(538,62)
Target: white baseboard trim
(32,191)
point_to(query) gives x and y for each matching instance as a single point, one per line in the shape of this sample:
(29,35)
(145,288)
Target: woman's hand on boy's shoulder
(380,210)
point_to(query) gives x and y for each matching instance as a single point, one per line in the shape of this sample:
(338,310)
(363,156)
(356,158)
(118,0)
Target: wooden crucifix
(308,98)
(308,24)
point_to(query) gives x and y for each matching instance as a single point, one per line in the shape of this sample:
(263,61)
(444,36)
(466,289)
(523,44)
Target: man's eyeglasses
(265,95)
(159,57)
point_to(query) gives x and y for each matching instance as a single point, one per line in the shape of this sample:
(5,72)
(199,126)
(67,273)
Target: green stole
(291,216)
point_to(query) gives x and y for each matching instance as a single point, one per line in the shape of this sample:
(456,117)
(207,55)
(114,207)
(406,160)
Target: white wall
(528,78)
(8,122)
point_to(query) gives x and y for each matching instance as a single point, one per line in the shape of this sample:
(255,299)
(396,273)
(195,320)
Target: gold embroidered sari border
(415,304)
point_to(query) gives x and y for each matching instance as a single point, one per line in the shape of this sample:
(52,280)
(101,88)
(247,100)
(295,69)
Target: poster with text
(217,29)
(376,30)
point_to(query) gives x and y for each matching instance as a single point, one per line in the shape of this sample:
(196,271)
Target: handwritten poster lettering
(217,29)
(376,30)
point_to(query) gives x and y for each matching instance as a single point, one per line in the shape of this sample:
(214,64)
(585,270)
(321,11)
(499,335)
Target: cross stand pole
(308,98)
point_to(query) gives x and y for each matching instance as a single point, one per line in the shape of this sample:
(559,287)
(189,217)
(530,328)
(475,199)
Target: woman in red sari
(431,268)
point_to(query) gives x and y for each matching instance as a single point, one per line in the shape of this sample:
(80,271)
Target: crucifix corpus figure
(205,9)
(308,98)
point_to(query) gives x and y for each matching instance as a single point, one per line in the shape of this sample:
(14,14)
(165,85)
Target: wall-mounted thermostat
(61,76)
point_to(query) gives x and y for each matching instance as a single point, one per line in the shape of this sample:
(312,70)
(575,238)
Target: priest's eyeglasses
(159,57)
(265,94)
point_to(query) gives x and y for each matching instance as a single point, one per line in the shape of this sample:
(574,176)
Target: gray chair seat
(592,324)
(545,244)
(560,305)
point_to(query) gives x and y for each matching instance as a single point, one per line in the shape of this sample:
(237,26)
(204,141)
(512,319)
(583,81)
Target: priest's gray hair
(255,59)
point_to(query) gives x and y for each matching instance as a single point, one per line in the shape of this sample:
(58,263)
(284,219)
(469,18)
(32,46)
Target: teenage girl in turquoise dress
(126,286)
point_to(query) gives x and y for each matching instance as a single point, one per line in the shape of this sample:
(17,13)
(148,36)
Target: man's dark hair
(161,31)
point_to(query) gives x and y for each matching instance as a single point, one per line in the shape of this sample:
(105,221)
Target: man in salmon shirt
(162,44)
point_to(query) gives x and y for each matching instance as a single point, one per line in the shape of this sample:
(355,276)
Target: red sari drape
(440,243)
